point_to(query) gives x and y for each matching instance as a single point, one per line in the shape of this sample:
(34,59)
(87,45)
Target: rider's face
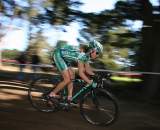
(93,54)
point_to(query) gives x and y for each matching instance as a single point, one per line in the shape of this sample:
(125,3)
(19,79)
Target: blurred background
(128,29)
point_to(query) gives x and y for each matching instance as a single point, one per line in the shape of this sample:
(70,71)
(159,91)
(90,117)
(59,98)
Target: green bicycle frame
(82,91)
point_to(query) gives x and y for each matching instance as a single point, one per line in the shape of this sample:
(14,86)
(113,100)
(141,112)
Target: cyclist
(65,54)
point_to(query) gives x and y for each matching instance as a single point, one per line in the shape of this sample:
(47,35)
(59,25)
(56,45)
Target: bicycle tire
(99,107)
(36,93)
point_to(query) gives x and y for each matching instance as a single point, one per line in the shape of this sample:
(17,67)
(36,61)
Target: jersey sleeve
(83,58)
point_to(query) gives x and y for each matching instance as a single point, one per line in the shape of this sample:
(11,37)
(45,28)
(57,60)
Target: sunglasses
(97,53)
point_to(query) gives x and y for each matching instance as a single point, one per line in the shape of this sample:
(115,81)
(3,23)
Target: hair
(85,48)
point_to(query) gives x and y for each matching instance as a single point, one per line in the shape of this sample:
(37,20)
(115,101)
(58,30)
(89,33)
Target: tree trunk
(150,51)
(153,88)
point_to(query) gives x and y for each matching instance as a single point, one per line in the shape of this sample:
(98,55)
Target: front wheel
(99,107)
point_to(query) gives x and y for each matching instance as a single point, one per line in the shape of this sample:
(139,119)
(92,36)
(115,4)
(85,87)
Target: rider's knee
(67,80)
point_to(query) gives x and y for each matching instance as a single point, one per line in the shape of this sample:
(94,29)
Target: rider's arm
(88,69)
(81,70)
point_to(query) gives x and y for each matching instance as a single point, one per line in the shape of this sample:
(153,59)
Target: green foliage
(108,58)
(110,64)
(10,54)
(123,52)
(107,26)
(40,47)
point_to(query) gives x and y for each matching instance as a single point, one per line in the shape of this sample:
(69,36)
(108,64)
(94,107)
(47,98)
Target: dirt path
(17,114)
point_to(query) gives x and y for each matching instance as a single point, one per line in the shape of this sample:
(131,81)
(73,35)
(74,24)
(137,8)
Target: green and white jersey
(65,54)
(71,53)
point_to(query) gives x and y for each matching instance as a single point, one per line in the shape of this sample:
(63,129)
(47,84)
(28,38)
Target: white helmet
(97,46)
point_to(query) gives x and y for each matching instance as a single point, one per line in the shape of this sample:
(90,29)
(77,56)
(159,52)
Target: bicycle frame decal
(82,91)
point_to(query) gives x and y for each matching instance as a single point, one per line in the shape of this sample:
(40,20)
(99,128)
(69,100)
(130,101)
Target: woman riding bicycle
(65,54)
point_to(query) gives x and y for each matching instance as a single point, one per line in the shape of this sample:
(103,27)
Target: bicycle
(97,105)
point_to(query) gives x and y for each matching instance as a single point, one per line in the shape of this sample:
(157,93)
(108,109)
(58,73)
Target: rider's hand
(91,81)
(94,77)
(91,76)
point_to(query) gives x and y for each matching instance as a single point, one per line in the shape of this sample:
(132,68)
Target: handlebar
(100,76)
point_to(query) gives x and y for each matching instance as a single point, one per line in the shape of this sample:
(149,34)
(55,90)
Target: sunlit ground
(14,68)
(12,90)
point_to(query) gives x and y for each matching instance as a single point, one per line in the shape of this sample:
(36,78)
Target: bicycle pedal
(67,108)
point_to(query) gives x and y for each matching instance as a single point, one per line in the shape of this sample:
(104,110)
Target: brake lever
(94,77)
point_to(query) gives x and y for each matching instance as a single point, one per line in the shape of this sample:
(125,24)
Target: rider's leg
(63,68)
(61,85)
(70,85)
(70,90)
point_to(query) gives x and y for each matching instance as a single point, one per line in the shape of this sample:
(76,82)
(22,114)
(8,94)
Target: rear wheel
(37,94)
(99,107)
